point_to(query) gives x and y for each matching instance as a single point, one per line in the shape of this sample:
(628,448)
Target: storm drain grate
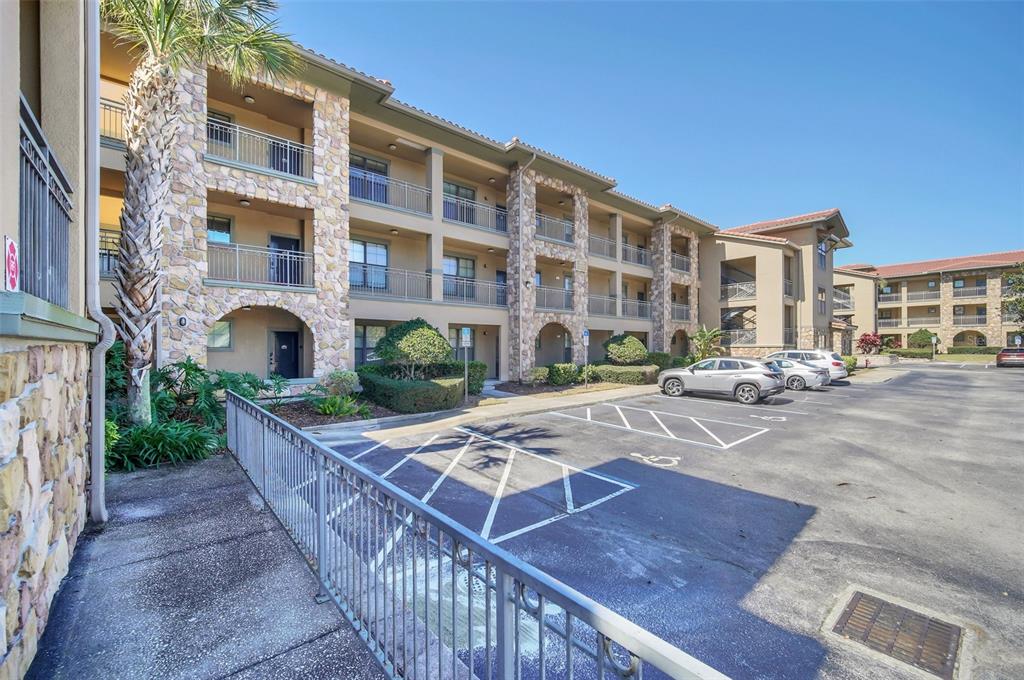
(903,634)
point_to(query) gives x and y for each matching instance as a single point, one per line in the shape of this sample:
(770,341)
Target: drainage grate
(903,634)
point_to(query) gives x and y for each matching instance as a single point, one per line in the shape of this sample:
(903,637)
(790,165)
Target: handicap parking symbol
(658,461)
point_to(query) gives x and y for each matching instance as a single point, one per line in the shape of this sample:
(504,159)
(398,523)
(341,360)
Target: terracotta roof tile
(1004,259)
(782,222)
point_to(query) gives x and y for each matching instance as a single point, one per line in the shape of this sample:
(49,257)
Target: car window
(705,365)
(728,365)
(836,356)
(783,363)
(810,356)
(776,355)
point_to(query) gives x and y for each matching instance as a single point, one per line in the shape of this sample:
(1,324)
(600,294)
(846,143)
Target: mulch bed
(524,388)
(301,414)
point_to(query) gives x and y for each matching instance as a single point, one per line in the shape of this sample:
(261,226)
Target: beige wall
(863,291)
(251,341)
(254,227)
(257,120)
(552,349)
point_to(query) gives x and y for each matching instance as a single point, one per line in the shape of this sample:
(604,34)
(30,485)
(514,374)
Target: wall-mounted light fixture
(491,180)
(393,147)
(249,99)
(394,232)
(244,202)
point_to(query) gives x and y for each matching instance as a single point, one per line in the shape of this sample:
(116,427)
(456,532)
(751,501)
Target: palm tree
(239,36)
(706,342)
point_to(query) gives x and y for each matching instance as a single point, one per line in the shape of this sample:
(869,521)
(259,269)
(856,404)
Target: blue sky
(907,116)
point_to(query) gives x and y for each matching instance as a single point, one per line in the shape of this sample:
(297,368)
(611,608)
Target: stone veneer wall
(525,322)
(43,475)
(324,312)
(661,285)
(993,326)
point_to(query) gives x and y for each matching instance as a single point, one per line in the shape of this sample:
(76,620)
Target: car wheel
(673,387)
(796,383)
(747,394)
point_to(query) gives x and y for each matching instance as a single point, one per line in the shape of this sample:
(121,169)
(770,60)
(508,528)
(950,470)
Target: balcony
(601,305)
(680,312)
(602,247)
(375,281)
(841,300)
(890,323)
(787,288)
(636,309)
(789,337)
(918,295)
(923,321)
(463,291)
(558,299)
(244,264)
(640,256)
(257,150)
(739,336)
(680,263)
(474,214)
(888,298)
(112,122)
(972,291)
(745,290)
(109,238)
(969,319)
(553,229)
(370,187)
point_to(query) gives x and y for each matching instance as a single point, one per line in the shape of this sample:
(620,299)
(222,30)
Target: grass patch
(966,358)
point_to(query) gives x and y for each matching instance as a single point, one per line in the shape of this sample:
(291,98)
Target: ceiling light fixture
(244,202)
(491,180)
(561,203)
(392,146)
(490,250)
(249,99)
(394,232)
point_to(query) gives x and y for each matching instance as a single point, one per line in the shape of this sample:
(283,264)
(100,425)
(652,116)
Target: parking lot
(736,531)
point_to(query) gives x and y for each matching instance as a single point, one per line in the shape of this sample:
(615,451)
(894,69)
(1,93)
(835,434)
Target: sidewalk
(192,579)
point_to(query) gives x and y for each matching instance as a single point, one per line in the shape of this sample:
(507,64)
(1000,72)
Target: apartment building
(855,298)
(957,298)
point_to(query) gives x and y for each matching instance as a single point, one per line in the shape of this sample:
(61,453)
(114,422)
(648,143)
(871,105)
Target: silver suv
(746,380)
(820,358)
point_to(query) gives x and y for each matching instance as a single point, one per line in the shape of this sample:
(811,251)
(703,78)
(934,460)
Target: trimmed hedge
(662,360)
(627,375)
(682,362)
(625,350)
(562,374)
(588,373)
(538,375)
(411,396)
(447,369)
(909,353)
(992,349)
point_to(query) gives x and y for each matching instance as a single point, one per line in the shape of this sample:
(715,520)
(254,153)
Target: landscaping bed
(541,388)
(301,413)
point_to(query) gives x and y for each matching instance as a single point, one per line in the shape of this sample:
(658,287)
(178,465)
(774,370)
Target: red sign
(12,271)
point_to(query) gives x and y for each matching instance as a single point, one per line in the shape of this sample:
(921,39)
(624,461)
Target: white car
(820,358)
(801,375)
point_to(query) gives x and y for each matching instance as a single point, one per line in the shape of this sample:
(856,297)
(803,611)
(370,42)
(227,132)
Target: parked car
(1010,356)
(800,375)
(746,380)
(830,361)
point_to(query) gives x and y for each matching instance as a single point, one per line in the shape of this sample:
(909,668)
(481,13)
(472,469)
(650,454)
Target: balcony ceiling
(274,105)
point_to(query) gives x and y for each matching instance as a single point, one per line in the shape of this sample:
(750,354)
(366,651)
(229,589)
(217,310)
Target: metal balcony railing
(640,256)
(398,569)
(890,297)
(602,247)
(970,319)
(681,263)
(554,229)
(371,187)
(923,321)
(601,305)
(110,236)
(680,312)
(375,281)
(465,291)
(112,120)
(231,142)
(789,337)
(553,298)
(890,323)
(44,214)
(841,299)
(474,214)
(972,291)
(917,295)
(787,288)
(744,290)
(253,264)
(739,336)
(636,309)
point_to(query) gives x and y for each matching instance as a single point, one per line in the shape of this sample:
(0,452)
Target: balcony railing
(112,120)
(109,239)
(230,142)
(465,291)
(841,299)
(972,291)
(739,336)
(553,298)
(640,256)
(681,263)
(890,297)
(890,323)
(917,295)
(474,214)
(371,187)
(745,290)
(680,312)
(923,321)
(787,288)
(601,305)
(602,247)
(44,215)
(970,319)
(636,309)
(253,264)
(554,229)
(789,337)
(375,281)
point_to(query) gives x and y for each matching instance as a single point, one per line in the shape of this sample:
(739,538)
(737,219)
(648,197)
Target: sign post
(586,354)
(1017,340)
(935,341)
(465,341)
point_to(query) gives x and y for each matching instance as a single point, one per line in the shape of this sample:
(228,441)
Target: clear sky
(907,116)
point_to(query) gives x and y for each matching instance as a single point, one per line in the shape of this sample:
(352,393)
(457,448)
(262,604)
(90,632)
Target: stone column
(521,202)
(946,331)
(661,287)
(581,274)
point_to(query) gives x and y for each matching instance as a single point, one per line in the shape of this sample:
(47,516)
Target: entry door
(284,359)
(285,264)
(501,278)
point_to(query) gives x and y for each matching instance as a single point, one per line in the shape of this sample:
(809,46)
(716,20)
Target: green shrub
(111,433)
(851,364)
(538,375)
(909,353)
(159,443)
(660,359)
(341,383)
(412,396)
(973,350)
(920,339)
(588,373)
(628,375)
(447,369)
(341,406)
(625,350)
(412,344)
(562,374)
(683,361)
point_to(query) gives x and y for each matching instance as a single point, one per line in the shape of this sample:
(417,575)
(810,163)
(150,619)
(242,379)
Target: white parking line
(360,455)
(486,531)
(408,456)
(624,421)
(712,402)
(656,419)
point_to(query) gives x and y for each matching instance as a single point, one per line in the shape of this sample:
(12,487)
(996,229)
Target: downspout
(519,245)
(91,220)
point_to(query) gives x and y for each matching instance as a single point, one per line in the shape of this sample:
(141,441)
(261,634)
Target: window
(784,363)
(884,313)
(219,129)
(958,310)
(886,290)
(706,365)
(219,337)
(218,229)
(459,191)
(369,263)
(728,365)
(933,284)
(453,340)
(933,310)
(958,283)
(367,338)
(980,283)
(822,255)
(536,279)
(822,302)
(368,164)
(462,267)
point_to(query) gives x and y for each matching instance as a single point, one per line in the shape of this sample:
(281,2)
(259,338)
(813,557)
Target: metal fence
(841,299)
(460,290)
(680,312)
(739,336)
(922,295)
(601,305)
(429,597)
(789,337)
(553,298)
(44,215)
(636,255)
(111,119)
(464,211)
(372,187)
(744,290)
(602,247)
(970,291)
(923,321)
(680,262)
(890,297)
(636,309)
(554,229)
(232,142)
(369,280)
(253,264)
(889,323)
(969,319)
(109,239)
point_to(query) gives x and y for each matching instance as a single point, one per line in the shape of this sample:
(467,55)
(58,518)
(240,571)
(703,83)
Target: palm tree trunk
(151,124)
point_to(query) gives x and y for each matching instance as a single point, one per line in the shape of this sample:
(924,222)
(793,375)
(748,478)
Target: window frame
(230,333)
(445,184)
(231,228)
(383,161)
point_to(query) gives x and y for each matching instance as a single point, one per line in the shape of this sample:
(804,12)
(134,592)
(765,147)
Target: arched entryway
(969,339)
(261,340)
(680,344)
(553,345)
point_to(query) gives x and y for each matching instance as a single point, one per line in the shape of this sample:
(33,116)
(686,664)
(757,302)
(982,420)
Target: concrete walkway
(192,578)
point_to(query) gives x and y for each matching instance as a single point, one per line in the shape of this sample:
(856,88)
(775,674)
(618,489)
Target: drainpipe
(91,219)
(519,245)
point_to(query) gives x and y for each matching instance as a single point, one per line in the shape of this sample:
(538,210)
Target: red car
(1010,356)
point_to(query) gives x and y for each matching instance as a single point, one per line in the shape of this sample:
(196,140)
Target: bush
(683,361)
(413,343)
(342,383)
(538,375)
(892,342)
(624,350)
(851,364)
(562,374)
(869,343)
(628,375)
(411,396)
(111,433)
(588,373)
(660,359)
(447,369)
(159,443)
(909,353)
(338,406)
(973,350)
(920,339)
